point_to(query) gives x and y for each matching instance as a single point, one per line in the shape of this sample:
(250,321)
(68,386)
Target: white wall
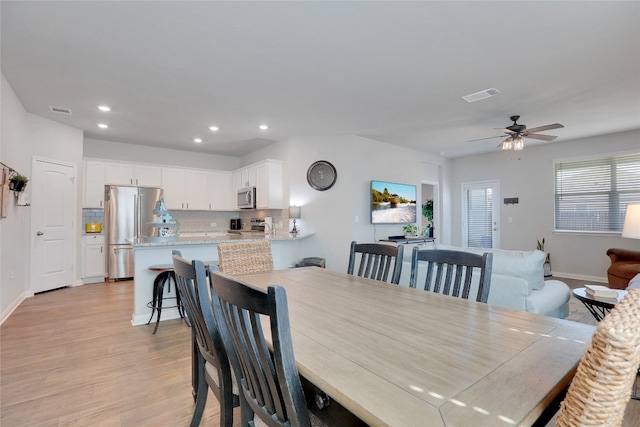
(529,176)
(112,150)
(25,135)
(331,214)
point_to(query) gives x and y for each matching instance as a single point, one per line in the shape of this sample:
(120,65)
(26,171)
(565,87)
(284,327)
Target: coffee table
(598,307)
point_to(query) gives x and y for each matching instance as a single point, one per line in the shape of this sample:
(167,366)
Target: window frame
(615,216)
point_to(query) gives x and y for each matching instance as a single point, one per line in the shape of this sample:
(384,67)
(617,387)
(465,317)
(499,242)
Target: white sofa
(517,281)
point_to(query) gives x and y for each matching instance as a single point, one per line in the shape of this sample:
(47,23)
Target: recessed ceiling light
(264,127)
(214,128)
(102,126)
(104,108)
(197,140)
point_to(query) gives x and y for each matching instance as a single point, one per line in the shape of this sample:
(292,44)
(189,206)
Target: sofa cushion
(528,265)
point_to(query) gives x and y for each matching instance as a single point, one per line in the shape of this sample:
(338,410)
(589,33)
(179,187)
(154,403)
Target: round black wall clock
(321,175)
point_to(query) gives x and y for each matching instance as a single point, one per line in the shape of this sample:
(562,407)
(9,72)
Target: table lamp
(631,228)
(294,213)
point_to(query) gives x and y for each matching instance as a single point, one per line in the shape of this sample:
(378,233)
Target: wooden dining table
(397,356)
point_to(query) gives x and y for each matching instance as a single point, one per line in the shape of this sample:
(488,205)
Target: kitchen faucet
(269,228)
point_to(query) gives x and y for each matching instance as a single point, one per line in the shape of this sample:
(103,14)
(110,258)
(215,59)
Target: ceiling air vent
(483,94)
(60,110)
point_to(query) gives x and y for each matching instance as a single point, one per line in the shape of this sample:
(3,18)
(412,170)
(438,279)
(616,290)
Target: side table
(598,307)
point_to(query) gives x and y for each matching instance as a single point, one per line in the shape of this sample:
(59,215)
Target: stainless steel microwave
(247,198)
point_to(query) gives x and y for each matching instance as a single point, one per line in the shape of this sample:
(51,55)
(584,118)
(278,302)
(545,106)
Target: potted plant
(427,212)
(18,182)
(410,230)
(547,260)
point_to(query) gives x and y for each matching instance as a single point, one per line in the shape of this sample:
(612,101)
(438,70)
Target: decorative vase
(17,185)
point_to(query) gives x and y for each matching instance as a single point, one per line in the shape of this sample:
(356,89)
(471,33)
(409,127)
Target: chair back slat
(451,272)
(376,261)
(271,387)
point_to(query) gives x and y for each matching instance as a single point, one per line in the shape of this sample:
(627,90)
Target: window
(592,194)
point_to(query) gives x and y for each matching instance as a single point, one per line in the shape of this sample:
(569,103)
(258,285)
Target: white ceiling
(391,71)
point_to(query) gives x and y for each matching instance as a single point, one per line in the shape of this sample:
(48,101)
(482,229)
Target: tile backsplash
(92,215)
(197,221)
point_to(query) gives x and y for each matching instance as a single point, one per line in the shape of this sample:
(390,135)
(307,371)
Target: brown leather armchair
(625,264)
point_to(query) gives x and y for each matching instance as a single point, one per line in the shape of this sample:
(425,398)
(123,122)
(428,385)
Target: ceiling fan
(516,133)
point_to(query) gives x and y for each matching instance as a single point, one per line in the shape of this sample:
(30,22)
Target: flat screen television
(393,203)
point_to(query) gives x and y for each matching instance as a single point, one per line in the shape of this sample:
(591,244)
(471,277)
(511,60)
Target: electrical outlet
(357,218)
(213,224)
(12,275)
(280,224)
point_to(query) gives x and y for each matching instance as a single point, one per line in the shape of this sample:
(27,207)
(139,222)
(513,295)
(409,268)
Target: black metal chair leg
(165,276)
(156,284)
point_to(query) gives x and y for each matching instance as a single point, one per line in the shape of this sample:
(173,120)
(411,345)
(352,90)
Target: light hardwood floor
(70,357)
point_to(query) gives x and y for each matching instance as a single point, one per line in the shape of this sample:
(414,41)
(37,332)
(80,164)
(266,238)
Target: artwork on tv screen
(392,203)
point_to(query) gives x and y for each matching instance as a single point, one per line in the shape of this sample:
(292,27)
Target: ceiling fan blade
(540,137)
(546,127)
(491,137)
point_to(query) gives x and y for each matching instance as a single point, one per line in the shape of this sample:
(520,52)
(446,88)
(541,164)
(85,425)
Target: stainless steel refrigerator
(128,211)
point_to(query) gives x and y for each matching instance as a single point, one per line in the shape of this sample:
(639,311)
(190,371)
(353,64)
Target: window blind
(479,218)
(592,195)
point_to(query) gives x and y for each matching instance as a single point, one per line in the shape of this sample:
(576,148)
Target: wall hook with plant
(17,182)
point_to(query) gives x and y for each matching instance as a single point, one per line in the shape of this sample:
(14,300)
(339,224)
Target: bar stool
(165,276)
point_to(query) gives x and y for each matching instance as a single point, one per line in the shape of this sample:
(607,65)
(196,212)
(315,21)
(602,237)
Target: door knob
(39,233)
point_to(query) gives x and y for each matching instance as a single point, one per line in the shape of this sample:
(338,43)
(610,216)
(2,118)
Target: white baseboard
(589,279)
(167,314)
(14,305)
(97,279)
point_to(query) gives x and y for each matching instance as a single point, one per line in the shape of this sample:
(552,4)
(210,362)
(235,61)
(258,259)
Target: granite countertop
(208,240)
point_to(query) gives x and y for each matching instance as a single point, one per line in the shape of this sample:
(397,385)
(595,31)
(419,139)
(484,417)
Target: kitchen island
(286,251)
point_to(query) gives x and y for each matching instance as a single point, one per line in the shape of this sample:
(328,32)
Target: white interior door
(53,210)
(481,214)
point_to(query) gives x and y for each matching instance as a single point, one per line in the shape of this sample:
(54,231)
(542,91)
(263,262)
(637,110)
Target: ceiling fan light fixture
(518,144)
(507,144)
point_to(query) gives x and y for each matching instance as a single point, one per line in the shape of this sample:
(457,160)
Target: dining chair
(213,369)
(376,261)
(441,266)
(601,387)
(271,391)
(245,257)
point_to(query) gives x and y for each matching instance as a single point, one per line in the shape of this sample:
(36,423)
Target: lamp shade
(294,212)
(631,229)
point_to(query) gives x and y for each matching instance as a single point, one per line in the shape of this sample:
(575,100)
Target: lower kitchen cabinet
(93,265)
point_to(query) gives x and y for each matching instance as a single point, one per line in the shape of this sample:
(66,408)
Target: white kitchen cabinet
(147,176)
(197,195)
(248,177)
(93,190)
(266,176)
(269,185)
(174,183)
(93,265)
(196,189)
(219,191)
(133,174)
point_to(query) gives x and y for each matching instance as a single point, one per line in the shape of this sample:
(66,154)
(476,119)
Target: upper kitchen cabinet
(266,176)
(196,189)
(269,185)
(93,195)
(133,174)
(198,198)
(174,183)
(219,190)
